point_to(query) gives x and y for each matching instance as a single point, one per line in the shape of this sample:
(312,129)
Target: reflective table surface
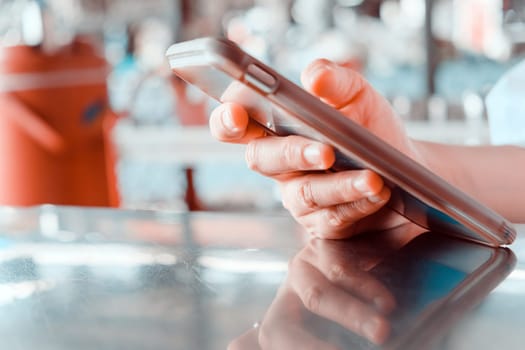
(79,278)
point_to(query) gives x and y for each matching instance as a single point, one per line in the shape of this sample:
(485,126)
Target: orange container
(54,126)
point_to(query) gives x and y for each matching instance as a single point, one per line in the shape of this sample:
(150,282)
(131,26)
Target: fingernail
(227,121)
(361,184)
(312,154)
(375,199)
(383,304)
(379,303)
(370,328)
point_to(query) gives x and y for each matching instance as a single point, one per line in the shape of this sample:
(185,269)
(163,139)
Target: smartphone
(225,72)
(435,280)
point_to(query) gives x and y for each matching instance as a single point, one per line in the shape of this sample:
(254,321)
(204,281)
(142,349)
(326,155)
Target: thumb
(334,84)
(349,92)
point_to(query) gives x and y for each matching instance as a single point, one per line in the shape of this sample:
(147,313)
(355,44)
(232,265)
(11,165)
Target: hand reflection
(328,279)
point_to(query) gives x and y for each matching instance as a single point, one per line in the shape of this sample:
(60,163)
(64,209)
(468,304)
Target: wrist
(437,159)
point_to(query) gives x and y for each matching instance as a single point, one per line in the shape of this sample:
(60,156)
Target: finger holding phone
(327,204)
(316,143)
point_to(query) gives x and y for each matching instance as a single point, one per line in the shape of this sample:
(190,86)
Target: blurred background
(89,107)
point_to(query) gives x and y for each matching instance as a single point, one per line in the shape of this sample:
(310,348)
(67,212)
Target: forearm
(491,174)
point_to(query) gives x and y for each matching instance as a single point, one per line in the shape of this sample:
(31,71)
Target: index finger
(230,122)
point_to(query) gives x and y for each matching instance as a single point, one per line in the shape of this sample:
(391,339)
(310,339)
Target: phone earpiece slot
(260,79)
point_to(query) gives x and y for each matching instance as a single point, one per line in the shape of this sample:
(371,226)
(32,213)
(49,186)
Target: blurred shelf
(187,146)
(190,146)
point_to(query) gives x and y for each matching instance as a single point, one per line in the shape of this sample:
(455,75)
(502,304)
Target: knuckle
(314,223)
(308,222)
(360,206)
(288,152)
(334,218)
(306,196)
(336,273)
(310,227)
(250,155)
(312,298)
(353,81)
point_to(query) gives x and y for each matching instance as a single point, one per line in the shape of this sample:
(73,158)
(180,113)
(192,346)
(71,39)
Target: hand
(328,280)
(326,204)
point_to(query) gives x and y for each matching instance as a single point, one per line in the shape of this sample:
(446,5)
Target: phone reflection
(376,292)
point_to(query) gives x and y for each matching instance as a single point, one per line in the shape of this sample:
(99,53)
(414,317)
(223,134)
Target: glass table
(90,278)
